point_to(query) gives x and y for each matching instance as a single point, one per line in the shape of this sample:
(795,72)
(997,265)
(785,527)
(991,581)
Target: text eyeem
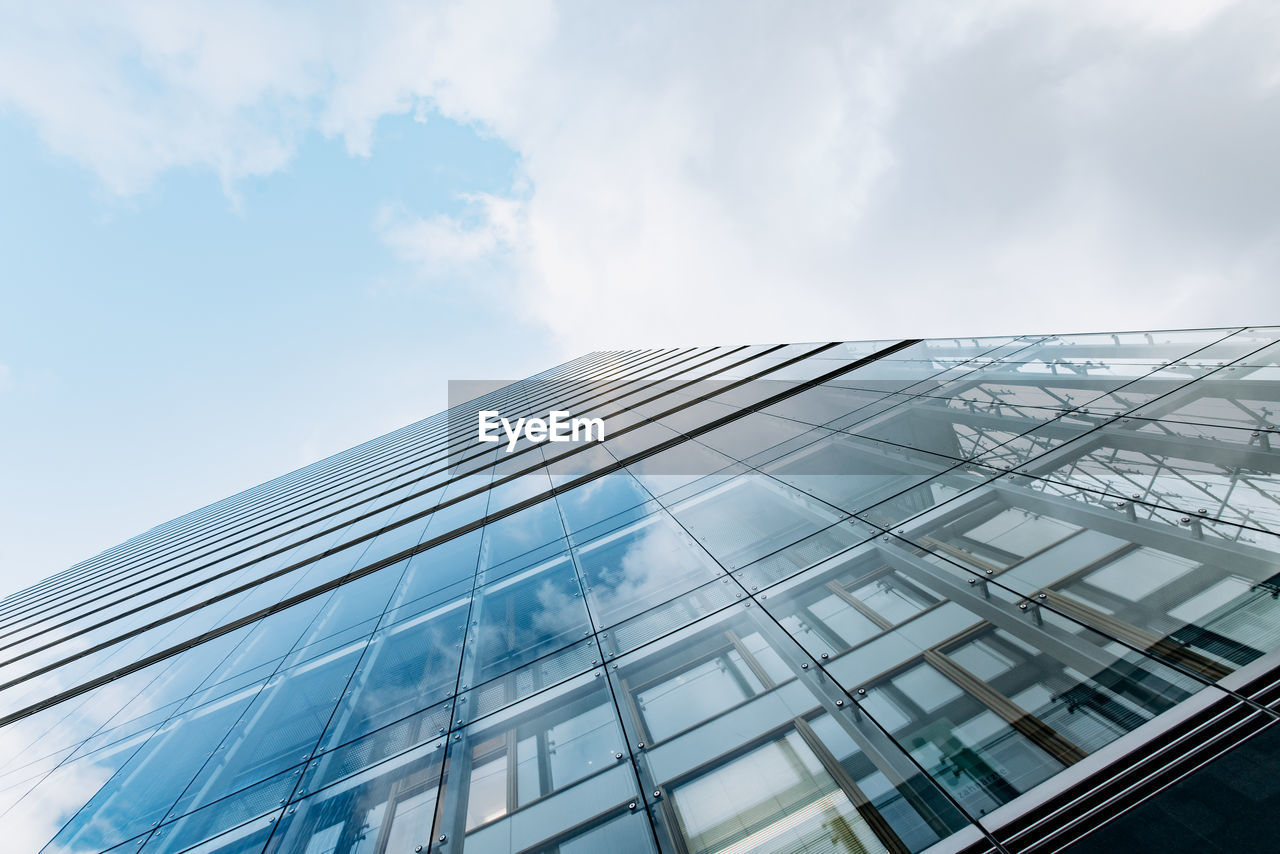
(560,427)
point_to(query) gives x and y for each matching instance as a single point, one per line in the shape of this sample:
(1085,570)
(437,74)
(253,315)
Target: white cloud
(702,172)
(443,245)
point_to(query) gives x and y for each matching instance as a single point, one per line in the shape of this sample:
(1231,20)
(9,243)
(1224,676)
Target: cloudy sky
(239,236)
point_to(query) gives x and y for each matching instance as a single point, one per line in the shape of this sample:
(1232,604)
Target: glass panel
(777,798)
(854,474)
(749,517)
(757,752)
(639,566)
(524,617)
(521,533)
(1204,603)
(278,730)
(140,794)
(406,666)
(389,806)
(991,715)
(532,773)
(600,499)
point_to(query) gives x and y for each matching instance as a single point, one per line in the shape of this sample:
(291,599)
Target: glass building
(1001,594)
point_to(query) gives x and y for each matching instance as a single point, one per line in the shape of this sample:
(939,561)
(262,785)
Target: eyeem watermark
(560,427)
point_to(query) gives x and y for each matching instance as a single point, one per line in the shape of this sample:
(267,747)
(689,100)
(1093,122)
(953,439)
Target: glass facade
(881,596)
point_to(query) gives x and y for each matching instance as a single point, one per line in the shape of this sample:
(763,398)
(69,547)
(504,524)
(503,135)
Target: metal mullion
(1036,730)
(1115,627)
(858,605)
(875,821)
(752,663)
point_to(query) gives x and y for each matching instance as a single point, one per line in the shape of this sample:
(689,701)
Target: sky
(237,237)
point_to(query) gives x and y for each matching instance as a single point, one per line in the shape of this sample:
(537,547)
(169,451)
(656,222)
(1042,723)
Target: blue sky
(165,349)
(236,237)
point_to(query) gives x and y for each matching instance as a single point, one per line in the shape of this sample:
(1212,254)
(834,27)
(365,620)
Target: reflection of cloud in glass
(39,816)
(643,569)
(528,619)
(39,797)
(558,612)
(586,492)
(75,720)
(402,672)
(523,531)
